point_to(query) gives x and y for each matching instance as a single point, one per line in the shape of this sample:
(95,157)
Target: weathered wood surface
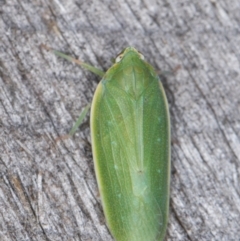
(48,189)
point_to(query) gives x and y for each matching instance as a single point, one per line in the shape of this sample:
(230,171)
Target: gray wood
(48,188)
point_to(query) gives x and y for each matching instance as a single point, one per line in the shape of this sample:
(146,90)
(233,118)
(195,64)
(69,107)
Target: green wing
(130,138)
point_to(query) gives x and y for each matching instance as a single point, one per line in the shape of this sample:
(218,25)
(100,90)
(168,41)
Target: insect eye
(119,57)
(141,56)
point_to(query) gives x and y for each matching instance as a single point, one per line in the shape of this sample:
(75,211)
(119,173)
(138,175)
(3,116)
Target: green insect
(130,131)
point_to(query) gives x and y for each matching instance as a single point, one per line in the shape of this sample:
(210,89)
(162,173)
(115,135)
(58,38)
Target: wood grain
(48,188)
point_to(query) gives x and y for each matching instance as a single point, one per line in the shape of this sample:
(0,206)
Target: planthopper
(130,133)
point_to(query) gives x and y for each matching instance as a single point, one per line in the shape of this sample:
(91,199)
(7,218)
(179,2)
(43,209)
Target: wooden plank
(48,189)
